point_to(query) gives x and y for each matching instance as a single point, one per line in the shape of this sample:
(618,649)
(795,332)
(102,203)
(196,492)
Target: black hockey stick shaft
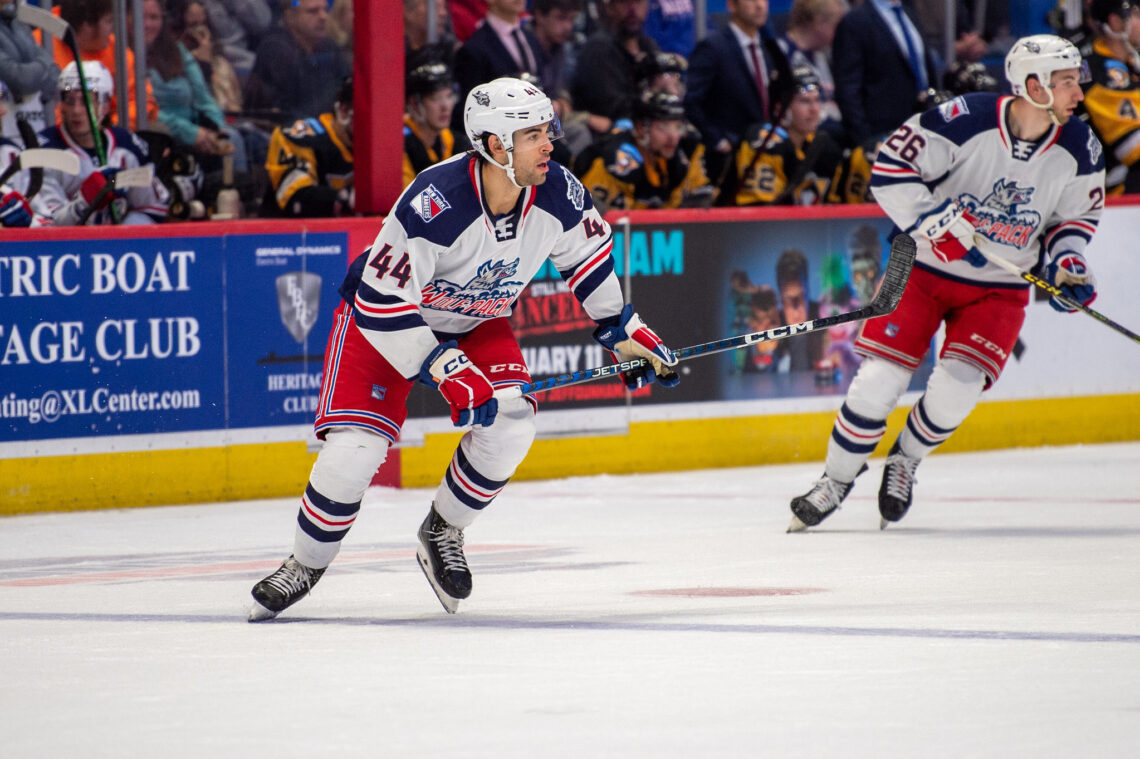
(1059,295)
(890,292)
(36,178)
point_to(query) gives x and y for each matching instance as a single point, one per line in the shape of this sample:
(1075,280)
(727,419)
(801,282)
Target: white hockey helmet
(99,79)
(1040,55)
(501,108)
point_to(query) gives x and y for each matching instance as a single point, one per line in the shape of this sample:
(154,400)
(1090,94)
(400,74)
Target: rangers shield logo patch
(298,299)
(953,109)
(430,203)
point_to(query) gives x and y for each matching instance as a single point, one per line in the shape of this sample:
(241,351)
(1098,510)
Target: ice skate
(289,584)
(895,494)
(440,555)
(814,506)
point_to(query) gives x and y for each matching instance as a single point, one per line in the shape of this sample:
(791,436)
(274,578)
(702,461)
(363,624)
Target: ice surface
(639,616)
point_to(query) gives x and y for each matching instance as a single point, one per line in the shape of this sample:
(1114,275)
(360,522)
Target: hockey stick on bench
(42,158)
(1053,290)
(890,292)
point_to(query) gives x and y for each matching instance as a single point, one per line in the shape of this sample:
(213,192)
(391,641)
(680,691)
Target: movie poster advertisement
(697,283)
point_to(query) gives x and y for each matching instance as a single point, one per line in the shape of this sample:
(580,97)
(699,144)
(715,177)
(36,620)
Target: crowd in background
(249,102)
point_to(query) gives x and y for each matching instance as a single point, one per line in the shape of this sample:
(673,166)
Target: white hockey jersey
(1032,199)
(444,264)
(61,200)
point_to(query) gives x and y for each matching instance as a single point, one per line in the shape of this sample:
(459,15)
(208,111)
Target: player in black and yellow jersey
(429,90)
(1112,98)
(794,164)
(310,164)
(657,164)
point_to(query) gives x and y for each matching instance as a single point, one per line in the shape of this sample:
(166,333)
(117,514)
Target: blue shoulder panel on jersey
(128,140)
(1078,139)
(563,196)
(439,203)
(963,117)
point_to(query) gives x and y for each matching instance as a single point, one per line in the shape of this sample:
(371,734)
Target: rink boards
(144,367)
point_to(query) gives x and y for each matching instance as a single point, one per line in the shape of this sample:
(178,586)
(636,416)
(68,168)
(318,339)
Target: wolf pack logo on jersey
(430,203)
(489,293)
(998,216)
(298,300)
(575,192)
(953,109)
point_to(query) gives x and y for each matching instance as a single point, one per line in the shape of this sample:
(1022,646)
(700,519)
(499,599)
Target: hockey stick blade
(140,176)
(49,158)
(1053,290)
(41,19)
(890,292)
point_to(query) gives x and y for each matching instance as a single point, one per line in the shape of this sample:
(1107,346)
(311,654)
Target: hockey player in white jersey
(429,301)
(1018,176)
(85,197)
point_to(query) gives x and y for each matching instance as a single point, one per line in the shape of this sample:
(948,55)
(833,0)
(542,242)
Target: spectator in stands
(646,167)
(801,354)
(880,65)
(672,25)
(553,27)
(310,164)
(29,75)
(811,30)
(92,21)
(185,104)
(499,47)
(1112,98)
(416,45)
(239,25)
(299,69)
(605,82)
(794,164)
(340,28)
(429,90)
(199,38)
(738,76)
(94,195)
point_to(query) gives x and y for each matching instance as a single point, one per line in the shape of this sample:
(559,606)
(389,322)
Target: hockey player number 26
(401,272)
(906,144)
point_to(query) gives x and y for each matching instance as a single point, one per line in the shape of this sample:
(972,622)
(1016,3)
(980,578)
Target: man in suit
(605,83)
(499,47)
(737,77)
(880,66)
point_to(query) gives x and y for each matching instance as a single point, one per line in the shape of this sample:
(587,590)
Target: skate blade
(450,604)
(796,525)
(258,613)
(883,523)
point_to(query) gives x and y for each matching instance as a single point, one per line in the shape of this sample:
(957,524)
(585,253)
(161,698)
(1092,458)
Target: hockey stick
(42,158)
(1054,291)
(890,292)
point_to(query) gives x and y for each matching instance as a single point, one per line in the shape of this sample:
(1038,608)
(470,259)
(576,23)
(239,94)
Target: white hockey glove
(627,337)
(950,229)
